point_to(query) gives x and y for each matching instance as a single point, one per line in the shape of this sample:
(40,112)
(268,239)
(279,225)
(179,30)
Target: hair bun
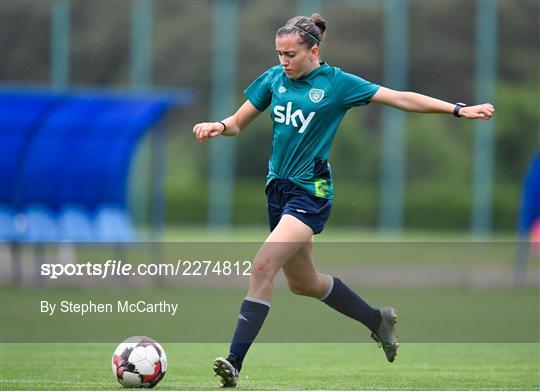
(319,22)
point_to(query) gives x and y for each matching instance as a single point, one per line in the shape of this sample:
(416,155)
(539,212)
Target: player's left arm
(414,102)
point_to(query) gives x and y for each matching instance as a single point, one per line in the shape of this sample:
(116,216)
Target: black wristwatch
(458,107)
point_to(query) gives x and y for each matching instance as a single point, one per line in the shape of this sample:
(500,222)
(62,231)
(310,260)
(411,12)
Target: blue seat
(8,229)
(113,224)
(75,224)
(42,225)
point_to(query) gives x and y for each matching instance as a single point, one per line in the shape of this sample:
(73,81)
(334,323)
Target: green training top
(306,113)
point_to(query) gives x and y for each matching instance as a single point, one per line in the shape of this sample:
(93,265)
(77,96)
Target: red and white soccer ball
(139,362)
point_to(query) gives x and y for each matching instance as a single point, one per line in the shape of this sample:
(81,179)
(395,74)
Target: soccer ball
(139,362)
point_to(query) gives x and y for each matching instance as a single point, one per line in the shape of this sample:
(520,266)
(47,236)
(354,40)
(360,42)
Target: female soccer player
(307,99)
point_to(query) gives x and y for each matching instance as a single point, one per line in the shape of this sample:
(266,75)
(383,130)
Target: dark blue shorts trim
(285,197)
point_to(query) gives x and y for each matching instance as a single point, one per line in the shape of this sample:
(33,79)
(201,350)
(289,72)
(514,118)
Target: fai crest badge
(316,95)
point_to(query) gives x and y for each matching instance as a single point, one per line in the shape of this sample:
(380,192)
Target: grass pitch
(273,366)
(456,313)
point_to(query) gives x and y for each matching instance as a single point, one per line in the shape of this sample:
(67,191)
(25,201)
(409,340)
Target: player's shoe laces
(226,371)
(386,334)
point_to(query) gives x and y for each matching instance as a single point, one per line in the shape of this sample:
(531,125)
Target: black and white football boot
(386,336)
(226,371)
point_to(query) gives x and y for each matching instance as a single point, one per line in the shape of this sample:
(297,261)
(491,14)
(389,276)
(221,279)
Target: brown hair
(310,29)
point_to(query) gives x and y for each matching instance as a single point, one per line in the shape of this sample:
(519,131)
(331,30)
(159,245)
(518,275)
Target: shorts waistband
(282,181)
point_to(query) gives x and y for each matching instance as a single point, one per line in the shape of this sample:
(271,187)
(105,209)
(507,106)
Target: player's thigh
(289,236)
(300,270)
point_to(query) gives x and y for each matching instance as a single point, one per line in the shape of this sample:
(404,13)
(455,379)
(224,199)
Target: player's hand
(207,130)
(482,112)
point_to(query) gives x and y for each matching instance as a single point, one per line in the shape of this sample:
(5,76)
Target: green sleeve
(259,93)
(354,90)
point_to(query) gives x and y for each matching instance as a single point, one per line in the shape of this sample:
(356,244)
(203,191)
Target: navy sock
(347,302)
(250,320)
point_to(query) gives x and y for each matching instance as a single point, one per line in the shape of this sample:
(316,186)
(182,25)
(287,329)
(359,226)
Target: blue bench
(64,163)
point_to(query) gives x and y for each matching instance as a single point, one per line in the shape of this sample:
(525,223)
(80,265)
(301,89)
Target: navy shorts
(285,197)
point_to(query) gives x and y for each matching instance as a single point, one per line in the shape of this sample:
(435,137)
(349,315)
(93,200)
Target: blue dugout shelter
(530,199)
(65,160)
(529,215)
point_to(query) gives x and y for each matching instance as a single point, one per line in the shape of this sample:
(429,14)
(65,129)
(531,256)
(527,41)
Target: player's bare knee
(263,270)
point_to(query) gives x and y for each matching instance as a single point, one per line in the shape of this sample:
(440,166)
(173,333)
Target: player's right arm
(235,123)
